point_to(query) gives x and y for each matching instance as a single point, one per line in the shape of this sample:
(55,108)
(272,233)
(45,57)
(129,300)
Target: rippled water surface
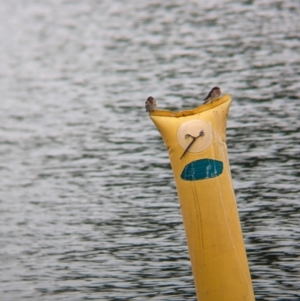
(89,209)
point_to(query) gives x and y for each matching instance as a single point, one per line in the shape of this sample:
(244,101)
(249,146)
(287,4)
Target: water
(88,204)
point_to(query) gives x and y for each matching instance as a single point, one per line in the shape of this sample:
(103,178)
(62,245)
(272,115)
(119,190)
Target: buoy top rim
(201,108)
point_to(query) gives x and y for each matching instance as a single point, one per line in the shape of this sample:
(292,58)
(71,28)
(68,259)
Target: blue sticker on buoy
(202,169)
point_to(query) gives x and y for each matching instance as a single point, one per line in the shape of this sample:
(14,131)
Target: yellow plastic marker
(196,142)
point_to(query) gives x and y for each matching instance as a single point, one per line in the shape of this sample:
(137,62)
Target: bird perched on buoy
(213,95)
(150,104)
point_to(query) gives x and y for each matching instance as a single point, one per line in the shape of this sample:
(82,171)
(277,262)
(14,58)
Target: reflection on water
(88,203)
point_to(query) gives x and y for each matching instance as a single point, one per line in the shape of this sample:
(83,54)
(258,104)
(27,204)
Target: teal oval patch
(202,169)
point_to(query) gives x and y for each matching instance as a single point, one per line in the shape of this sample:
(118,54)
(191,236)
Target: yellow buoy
(196,142)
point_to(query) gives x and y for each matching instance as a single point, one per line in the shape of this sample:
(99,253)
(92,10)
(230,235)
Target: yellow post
(196,142)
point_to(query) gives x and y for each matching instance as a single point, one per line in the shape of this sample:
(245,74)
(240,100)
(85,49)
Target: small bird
(213,95)
(150,104)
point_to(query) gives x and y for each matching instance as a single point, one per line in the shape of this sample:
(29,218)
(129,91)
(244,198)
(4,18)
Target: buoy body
(196,142)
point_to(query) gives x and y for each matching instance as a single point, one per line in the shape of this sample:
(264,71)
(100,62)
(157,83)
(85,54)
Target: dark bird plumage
(213,95)
(150,104)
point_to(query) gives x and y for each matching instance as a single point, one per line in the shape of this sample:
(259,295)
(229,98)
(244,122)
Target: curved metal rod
(201,134)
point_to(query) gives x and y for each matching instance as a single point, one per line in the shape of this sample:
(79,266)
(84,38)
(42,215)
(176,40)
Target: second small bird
(213,95)
(150,104)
